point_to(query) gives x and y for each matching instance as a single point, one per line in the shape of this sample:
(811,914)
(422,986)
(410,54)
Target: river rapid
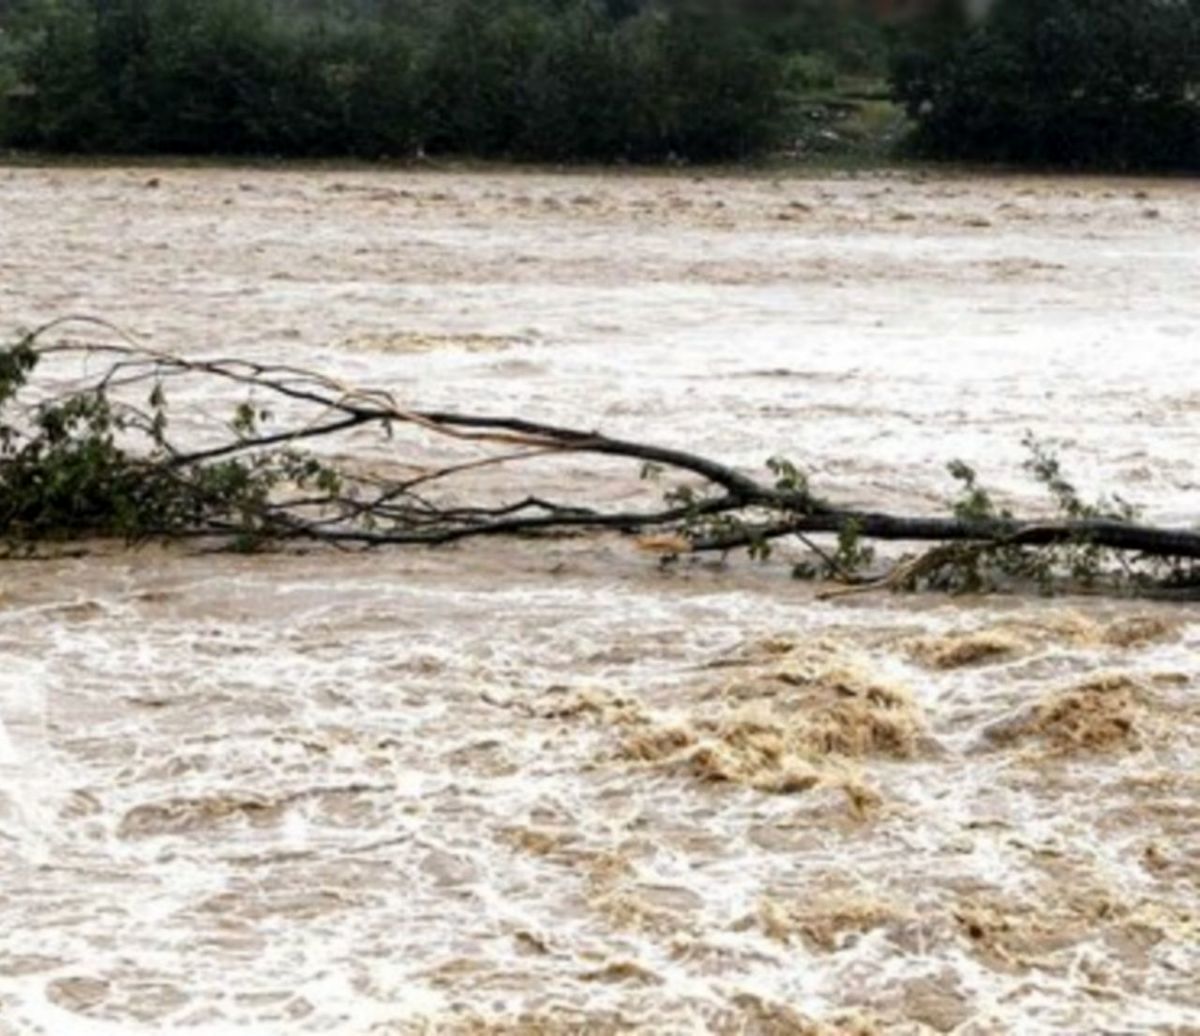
(523,787)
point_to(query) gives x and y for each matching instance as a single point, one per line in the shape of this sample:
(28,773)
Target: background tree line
(1082,83)
(1075,82)
(545,79)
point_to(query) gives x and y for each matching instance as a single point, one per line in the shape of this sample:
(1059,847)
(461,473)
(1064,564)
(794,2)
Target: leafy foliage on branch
(1077,560)
(83,465)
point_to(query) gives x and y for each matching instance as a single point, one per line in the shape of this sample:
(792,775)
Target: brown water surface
(550,788)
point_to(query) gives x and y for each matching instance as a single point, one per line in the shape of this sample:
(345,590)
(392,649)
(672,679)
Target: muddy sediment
(550,788)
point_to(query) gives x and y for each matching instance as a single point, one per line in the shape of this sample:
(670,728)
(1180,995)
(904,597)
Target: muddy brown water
(549,788)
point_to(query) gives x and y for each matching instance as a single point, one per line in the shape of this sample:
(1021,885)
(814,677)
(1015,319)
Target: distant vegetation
(1112,84)
(538,79)
(1106,83)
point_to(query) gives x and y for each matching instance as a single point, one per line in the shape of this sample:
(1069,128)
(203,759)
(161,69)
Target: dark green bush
(1078,83)
(219,76)
(582,92)
(714,90)
(60,97)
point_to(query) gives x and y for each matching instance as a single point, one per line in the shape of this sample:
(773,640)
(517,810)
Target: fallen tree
(97,456)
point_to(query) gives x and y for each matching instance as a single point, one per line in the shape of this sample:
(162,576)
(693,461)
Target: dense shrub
(547,79)
(1081,83)
(713,88)
(228,76)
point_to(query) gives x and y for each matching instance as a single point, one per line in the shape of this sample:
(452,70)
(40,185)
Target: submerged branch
(1115,535)
(101,457)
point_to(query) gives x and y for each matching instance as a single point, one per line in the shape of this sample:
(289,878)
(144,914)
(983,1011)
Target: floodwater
(549,788)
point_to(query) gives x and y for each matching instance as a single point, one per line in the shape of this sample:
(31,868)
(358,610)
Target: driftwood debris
(259,483)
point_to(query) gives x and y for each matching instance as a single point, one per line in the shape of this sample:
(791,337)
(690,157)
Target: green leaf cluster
(84,465)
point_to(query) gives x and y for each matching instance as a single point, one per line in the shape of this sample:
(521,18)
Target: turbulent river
(550,788)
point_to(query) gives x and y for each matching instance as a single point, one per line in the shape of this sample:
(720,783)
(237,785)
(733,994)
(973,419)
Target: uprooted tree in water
(100,455)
